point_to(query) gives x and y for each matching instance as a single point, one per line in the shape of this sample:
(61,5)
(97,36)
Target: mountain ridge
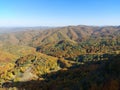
(75,33)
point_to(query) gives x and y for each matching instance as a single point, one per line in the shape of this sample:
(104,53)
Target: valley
(86,57)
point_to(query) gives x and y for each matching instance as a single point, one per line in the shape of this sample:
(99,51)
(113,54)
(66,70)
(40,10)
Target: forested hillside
(61,58)
(71,33)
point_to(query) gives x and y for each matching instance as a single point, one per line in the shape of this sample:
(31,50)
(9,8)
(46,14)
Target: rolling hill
(75,33)
(49,55)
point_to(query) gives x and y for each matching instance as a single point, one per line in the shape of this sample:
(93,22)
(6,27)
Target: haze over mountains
(37,36)
(81,57)
(59,45)
(15,29)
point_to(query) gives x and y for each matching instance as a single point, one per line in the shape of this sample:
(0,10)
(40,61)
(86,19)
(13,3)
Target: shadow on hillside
(101,75)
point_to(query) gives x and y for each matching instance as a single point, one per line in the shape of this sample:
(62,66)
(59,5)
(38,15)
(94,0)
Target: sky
(59,12)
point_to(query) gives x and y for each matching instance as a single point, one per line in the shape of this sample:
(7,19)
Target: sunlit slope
(9,53)
(75,33)
(32,67)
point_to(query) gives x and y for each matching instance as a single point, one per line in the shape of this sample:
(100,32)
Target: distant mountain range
(44,35)
(68,42)
(16,29)
(62,58)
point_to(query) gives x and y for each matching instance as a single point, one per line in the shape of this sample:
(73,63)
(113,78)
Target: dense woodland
(62,58)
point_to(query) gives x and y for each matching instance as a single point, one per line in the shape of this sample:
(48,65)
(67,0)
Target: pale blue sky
(59,12)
